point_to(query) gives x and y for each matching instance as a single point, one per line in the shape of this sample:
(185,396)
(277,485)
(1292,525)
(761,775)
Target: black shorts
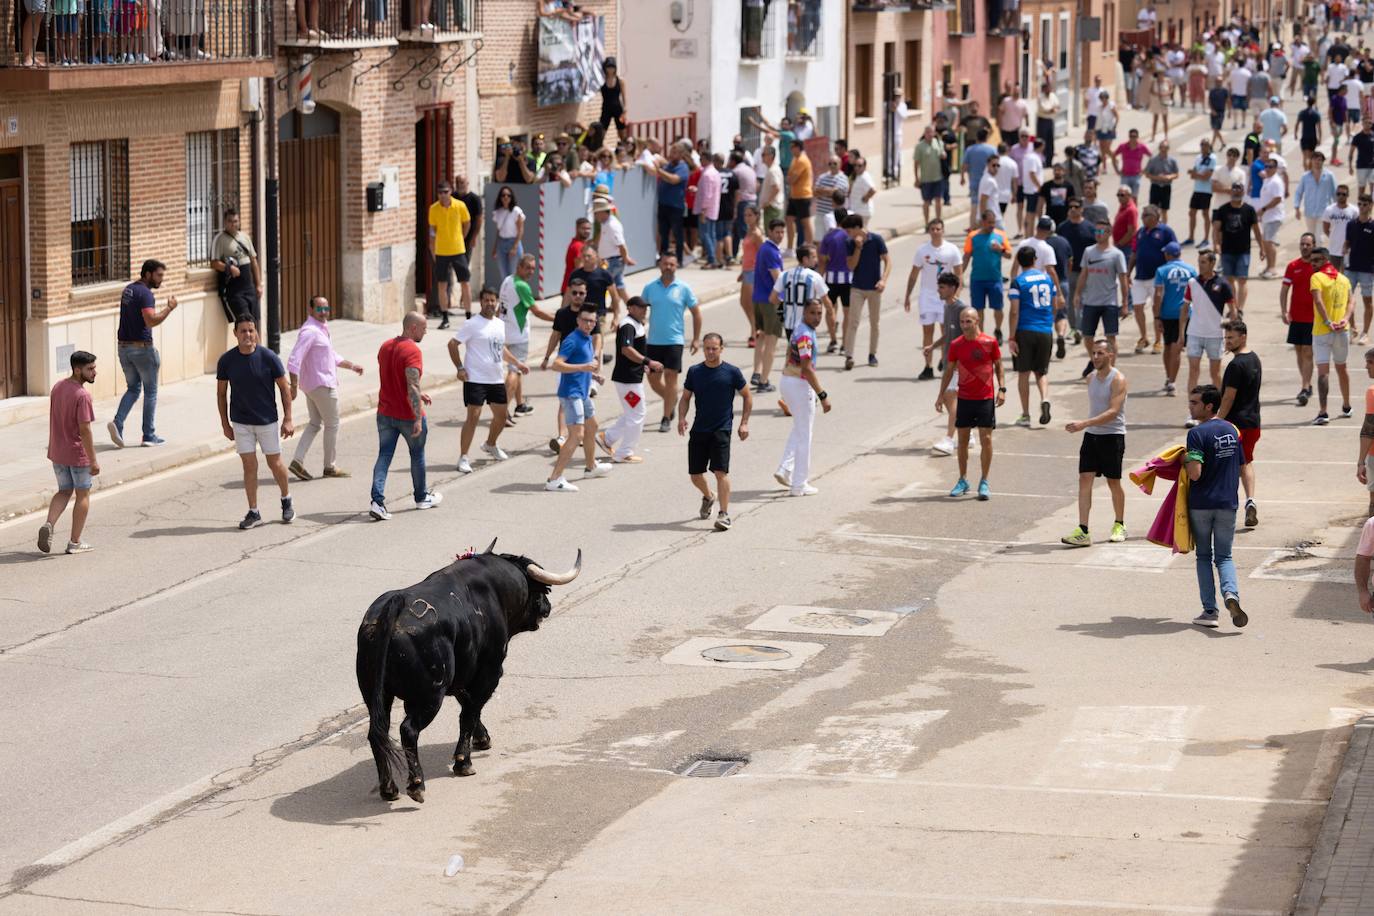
(968,414)
(1200,201)
(458,263)
(1033,352)
(1101,454)
(1170,330)
(1300,333)
(1217,120)
(799,207)
(708,452)
(245,302)
(1307,146)
(1161,195)
(668,354)
(475,394)
(839,294)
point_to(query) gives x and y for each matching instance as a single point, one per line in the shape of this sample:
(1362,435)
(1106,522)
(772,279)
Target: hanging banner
(570,59)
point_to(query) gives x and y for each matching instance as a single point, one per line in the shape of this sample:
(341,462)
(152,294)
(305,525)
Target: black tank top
(610,97)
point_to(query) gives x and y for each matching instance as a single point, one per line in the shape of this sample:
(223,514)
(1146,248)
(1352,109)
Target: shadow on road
(1120,627)
(180,531)
(1351,667)
(23,556)
(349,798)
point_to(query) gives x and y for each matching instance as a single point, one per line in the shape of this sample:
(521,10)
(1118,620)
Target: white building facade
(732,60)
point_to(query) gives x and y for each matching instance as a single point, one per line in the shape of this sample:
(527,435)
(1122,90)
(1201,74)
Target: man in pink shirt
(1363,553)
(71,451)
(1127,160)
(707,208)
(312,366)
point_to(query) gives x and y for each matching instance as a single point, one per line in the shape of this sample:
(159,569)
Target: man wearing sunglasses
(313,366)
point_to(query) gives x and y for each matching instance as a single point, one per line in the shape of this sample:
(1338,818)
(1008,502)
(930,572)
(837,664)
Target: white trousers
(623,434)
(323,404)
(796,455)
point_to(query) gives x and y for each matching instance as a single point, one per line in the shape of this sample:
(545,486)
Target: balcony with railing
(347,24)
(89,44)
(758,25)
(803,29)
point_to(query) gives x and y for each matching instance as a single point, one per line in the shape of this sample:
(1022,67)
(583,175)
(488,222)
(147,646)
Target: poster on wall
(570,58)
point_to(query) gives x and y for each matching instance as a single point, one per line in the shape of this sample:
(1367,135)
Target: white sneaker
(464,466)
(79,547)
(378,511)
(560,485)
(495,451)
(806,490)
(783,478)
(115,436)
(600,469)
(945,446)
(431,500)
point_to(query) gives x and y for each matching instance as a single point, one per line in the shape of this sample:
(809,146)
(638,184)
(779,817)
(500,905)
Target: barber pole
(305,90)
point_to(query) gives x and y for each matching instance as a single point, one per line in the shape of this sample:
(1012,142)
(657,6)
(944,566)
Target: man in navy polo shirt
(669,299)
(1213,463)
(1147,258)
(672,201)
(871,267)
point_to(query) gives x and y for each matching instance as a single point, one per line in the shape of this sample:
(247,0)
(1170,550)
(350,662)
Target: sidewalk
(1340,877)
(188,418)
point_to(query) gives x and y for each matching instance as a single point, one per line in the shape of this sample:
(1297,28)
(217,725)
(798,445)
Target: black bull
(446,636)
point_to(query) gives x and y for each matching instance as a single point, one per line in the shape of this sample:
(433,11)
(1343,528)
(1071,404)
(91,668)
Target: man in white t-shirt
(483,377)
(1007,176)
(611,248)
(989,189)
(935,257)
(1271,216)
(1240,93)
(1032,175)
(1335,219)
(861,190)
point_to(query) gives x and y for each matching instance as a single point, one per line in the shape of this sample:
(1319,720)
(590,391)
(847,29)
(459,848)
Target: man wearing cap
(1148,257)
(611,248)
(1273,122)
(1171,286)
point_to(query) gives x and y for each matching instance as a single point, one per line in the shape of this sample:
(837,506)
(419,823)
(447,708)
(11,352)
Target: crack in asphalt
(142,906)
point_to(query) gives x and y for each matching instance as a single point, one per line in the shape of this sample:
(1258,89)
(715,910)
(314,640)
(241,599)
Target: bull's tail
(373,648)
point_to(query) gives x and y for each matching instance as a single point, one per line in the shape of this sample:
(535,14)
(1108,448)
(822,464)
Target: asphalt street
(969,717)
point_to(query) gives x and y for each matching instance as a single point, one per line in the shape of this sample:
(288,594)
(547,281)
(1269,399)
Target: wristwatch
(1002,390)
(822,395)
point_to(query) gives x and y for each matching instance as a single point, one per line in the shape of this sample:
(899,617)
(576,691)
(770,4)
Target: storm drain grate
(713,768)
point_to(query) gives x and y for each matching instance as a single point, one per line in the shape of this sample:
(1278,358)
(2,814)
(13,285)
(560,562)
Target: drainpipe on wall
(273,257)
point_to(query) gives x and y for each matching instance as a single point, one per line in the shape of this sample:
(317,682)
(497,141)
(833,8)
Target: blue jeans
(1132,182)
(1213,532)
(389,429)
(508,253)
(706,228)
(140,365)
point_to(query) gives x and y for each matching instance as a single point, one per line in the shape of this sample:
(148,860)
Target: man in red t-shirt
(71,451)
(978,359)
(401,412)
(581,236)
(1298,314)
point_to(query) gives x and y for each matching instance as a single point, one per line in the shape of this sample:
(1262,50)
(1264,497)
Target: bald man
(401,412)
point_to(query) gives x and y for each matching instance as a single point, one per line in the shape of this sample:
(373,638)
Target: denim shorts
(577,411)
(985,294)
(1199,345)
(1235,265)
(70,477)
(1363,279)
(615,266)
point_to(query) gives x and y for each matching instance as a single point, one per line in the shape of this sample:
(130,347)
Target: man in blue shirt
(1147,258)
(579,367)
(138,315)
(976,161)
(256,376)
(713,382)
(1034,300)
(1171,283)
(984,250)
(767,323)
(871,267)
(1213,463)
(672,200)
(669,299)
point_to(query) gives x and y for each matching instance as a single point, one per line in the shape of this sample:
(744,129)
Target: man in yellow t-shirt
(1330,331)
(448,223)
(800,179)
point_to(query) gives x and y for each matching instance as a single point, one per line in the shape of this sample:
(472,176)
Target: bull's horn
(539,574)
(491,546)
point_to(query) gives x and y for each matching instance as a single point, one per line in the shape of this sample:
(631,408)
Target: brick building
(105,165)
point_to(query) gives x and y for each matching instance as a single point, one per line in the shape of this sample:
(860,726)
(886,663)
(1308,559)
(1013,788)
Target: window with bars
(100,211)
(212,185)
(758,23)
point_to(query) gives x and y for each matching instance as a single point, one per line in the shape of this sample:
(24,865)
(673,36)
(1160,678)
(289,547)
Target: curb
(1312,895)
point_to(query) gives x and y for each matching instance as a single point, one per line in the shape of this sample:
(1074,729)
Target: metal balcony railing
(758,25)
(90,33)
(803,28)
(349,22)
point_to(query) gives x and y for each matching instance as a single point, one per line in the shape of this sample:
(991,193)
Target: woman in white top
(509,221)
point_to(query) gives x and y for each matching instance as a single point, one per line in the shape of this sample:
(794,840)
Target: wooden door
(433,163)
(309,202)
(12,369)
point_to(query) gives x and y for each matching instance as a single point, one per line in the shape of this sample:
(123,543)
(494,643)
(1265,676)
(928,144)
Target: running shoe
(1238,617)
(1142,345)
(1077,338)
(1303,395)
(1270,274)
(430,500)
(252,520)
(1118,533)
(1023,420)
(1059,350)
(722,522)
(560,485)
(831,347)
(288,512)
(295,467)
(556,444)
(1044,413)
(1321,420)
(872,360)
(1204,245)
(1077,538)
(45,537)
(1251,514)
(600,469)
(756,380)
(783,478)
(525,408)
(1206,619)
(765,388)
(116,436)
(1346,412)
(1187,242)
(79,547)
(153,441)
(464,466)
(664,425)
(848,363)
(984,491)
(496,452)
(926,375)
(997,334)
(806,490)
(704,511)
(1157,348)
(1170,388)
(944,446)
(960,488)
(378,512)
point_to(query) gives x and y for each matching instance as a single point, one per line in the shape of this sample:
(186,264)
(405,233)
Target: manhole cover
(707,769)
(746,653)
(831,621)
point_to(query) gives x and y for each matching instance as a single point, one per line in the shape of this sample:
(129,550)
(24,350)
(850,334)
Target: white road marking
(874,745)
(656,740)
(1296,569)
(825,621)
(1141,460)
(919,489)
(1131,746)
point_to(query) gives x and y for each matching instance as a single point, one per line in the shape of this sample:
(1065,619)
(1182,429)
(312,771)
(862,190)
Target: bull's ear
(491,547)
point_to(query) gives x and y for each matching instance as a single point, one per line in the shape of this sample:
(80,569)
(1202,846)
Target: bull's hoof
(482,744)
(416,792)
(462,769)
(389,793)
